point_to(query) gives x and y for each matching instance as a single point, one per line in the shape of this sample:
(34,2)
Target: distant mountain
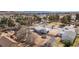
(47,11)
(36,12)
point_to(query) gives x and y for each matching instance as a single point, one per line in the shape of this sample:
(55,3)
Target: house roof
(7,37)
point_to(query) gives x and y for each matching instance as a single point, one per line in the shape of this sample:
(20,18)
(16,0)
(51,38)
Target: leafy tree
(56,17)
(66,19)
(36,18)
(77,16)
(11,23)
(3,22)
(50,18)
(6,22)
(21,20)
(53,17)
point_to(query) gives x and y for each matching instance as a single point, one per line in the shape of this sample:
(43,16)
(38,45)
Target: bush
(66,19)
(77,16)
(21,20)
(53,18)
(67,43)
(10,23)
(6,22)
(3,20)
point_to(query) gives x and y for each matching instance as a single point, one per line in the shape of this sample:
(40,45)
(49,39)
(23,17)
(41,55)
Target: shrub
(21,20)
(10,23)
(67,43)
(6,22)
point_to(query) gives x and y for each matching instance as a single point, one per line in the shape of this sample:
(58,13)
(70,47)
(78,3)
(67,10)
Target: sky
(39,5)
